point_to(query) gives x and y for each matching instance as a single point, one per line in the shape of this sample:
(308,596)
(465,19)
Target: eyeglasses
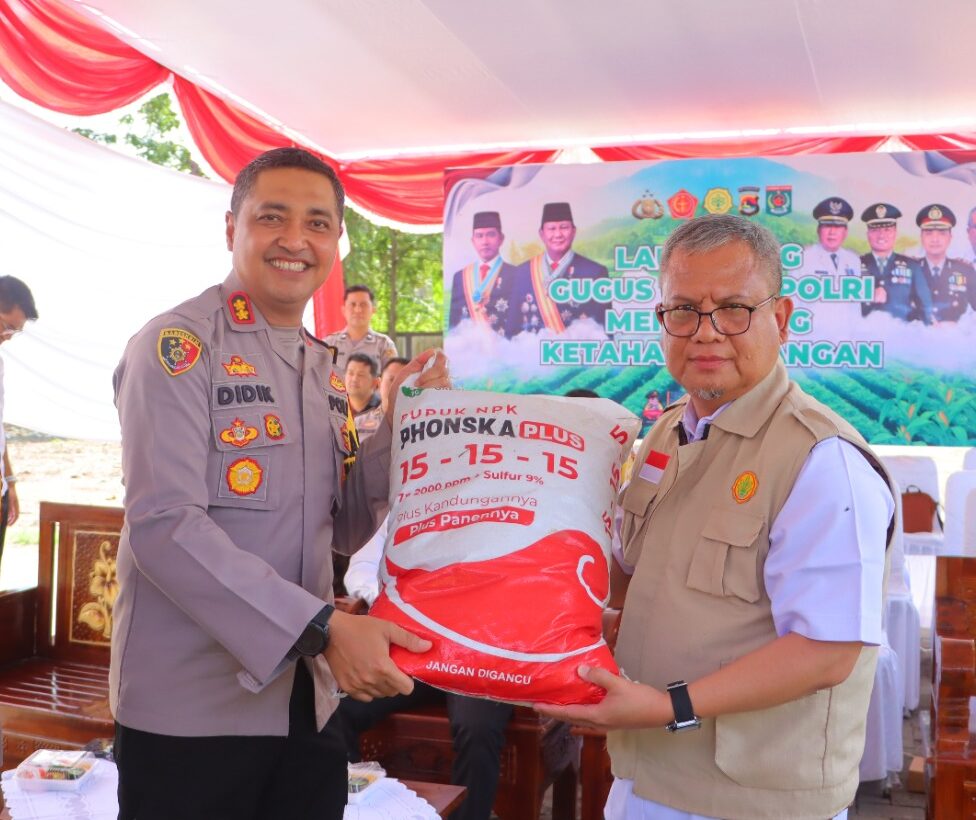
(729,320)
(8,331)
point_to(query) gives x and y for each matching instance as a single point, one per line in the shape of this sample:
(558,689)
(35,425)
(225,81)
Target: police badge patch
(178,350)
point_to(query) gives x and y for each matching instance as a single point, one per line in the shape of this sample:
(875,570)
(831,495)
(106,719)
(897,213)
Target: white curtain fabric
(104,242)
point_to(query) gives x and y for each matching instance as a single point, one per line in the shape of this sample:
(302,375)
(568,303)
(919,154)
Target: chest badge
(273,428)
(244,476)
(178,350)
(744,487)
(337,383)
(654,465)
(237,366)
(238,434)
(240,308)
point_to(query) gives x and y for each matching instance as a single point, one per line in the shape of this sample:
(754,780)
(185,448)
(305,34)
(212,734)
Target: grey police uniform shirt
(232,450)
(374,344)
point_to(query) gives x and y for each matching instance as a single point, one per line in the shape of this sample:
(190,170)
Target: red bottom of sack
(514,628)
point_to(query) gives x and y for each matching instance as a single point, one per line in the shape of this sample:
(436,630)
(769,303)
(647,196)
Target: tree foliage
(147,135)
(404,272)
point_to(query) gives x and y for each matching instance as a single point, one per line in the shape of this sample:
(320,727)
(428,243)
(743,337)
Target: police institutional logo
(178,350)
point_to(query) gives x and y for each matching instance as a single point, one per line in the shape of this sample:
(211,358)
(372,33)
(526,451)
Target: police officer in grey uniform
(951,281)
(226,650)
(358,307)
(899,287)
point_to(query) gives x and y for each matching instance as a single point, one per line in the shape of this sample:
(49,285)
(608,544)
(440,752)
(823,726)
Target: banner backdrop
(552,276)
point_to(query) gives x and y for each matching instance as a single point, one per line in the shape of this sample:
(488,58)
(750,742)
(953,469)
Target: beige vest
(697,601)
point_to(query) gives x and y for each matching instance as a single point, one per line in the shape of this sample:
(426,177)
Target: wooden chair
(54,648)
(538,752)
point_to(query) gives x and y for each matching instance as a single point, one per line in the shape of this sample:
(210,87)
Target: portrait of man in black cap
(534,309)
(899,287)
(480,291)
(952,282)
(827,257)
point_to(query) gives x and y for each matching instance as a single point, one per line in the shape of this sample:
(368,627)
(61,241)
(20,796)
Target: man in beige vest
(752,564)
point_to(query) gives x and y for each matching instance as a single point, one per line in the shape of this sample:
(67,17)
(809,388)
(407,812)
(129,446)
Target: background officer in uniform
(899,287)
(534,308)
(226,650)
(358,307)
(481,290)
(952,282)
(826,257)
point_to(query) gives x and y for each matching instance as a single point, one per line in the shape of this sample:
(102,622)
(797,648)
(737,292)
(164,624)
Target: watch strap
(317,626)
(684,712)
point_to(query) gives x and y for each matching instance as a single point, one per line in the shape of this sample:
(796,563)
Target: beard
(708,393)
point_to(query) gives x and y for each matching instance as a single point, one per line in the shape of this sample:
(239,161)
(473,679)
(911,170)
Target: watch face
(313,640)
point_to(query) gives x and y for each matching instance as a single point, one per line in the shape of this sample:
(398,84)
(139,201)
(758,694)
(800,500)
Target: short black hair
(366,359)
(394,360)
(284,158)
(14,293)
(582,393)
(358,289)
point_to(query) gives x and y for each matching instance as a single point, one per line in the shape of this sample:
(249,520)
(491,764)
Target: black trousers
(477,729)
(299,777)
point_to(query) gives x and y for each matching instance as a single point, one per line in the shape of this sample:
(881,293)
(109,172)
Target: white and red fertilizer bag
(501,511)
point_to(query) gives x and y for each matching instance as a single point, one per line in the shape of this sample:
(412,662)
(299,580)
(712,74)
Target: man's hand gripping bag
(501,513)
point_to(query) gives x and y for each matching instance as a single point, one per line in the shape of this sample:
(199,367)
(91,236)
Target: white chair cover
(959,535)
(882,742)
(902,622)
(969,460)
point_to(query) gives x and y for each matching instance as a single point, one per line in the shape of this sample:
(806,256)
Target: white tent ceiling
(377,78)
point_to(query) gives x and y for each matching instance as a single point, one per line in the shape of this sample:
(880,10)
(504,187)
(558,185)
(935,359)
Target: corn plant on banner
(553,271)
(501,512)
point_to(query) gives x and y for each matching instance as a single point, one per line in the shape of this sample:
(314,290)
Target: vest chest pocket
(725,559)
(637,501)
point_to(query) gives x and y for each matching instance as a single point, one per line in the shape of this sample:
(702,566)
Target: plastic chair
(969,460)
(960,533)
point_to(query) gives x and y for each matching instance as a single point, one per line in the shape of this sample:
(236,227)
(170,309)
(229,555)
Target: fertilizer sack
(498,549)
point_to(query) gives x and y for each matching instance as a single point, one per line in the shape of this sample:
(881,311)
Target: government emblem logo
(178,350)
(238,434)
(647,207)
(935,212)
(744,487)
(779,199)
(718,201)
(683,205)
(238,367)
(272,427)
(240,308)
(881,211)
(244,476)
(749,200)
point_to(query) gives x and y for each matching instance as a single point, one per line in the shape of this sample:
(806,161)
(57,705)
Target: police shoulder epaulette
(333,350)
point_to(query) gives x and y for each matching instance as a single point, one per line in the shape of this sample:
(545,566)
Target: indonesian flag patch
(653,467)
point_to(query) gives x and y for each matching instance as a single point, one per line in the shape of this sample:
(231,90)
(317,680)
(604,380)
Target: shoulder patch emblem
(337,383)
(244,476)
(240,308)
(273,428)
(744,487)
(237,366)
(178,350)
(238,434)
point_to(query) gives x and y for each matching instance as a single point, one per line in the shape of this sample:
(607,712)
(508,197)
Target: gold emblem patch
(240,308)
(178,350)
(273,428)
(337,383)
(239,434)
(237,366)
(244,476)
(744,487)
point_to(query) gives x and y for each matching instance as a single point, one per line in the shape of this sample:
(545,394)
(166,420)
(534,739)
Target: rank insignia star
(237,366)
(238,434)
(178,350)
(240,308)
(244,476)
(337,383)
(501,305)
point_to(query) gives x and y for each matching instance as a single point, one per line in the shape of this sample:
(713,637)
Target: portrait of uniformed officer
(952,282)
(480,291)
(534,308)
(827,257)
(900,289)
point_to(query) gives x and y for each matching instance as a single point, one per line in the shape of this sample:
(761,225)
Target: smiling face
(832,236)
(936,241)
(486,242)
(882,239)
(284,241)
(558,238)
(713,368)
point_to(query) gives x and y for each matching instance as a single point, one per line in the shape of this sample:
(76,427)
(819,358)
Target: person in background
(952,282)
(358,307)
(751,504)
(227,654)
(899,287)
(828,257)
(971,235)
(372,411)
(16,309)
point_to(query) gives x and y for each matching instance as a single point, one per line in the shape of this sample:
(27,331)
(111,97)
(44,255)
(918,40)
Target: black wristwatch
(315,637)
(684,715)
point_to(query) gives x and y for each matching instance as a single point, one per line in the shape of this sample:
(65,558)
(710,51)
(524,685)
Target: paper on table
(389,799)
